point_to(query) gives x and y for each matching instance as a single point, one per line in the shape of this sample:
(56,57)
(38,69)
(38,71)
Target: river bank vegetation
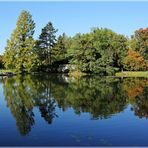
(101,51)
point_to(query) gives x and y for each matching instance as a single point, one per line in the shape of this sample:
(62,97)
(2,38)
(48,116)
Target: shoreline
(132,74)
(81,74)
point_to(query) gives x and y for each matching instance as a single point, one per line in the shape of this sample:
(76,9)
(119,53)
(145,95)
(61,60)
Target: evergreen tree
(19,52)
(10,52)
(59,51)
(45,44)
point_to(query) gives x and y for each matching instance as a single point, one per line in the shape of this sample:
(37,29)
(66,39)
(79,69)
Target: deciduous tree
(134,61)
(100,51)
(141,42)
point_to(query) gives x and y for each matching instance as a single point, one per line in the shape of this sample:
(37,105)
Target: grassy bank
(76,74)
(132,74)
(6,70)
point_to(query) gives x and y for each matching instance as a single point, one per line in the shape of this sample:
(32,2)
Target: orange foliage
(134,61)
(135,87)
(143,30)
(133,92)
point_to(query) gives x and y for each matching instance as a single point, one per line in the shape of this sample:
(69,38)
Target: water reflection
(22,94)
(100,97)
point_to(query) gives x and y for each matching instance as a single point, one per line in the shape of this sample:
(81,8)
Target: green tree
(83,53)
(120,45)
(45,44)
(1,61)
(59,51)
(100,51)
(10,53)
(19,53)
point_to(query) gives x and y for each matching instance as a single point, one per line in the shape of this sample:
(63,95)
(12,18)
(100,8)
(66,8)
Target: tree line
(100,51)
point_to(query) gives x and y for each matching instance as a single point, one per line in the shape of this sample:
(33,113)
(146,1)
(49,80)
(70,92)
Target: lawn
(132,74)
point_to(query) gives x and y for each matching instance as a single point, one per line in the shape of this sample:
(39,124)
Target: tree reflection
(22,94)
(137,90)
(140,106)
(101,97)
(20,104)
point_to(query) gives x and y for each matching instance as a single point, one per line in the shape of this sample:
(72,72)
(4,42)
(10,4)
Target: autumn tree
(10,53)
(19,53)
(140,39)
(134,61)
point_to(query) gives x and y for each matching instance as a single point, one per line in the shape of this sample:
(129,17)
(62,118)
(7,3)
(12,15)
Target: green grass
(6,70)
(132,74)
(76,74)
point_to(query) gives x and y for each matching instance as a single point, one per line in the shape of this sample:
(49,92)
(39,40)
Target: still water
(43,110)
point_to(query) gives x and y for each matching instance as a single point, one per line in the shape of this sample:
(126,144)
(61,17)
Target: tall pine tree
(45,44)
(19,52)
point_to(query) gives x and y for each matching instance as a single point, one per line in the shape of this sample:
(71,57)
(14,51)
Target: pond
(56,110)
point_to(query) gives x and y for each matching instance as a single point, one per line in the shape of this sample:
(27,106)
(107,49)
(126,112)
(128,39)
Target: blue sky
(74,17)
